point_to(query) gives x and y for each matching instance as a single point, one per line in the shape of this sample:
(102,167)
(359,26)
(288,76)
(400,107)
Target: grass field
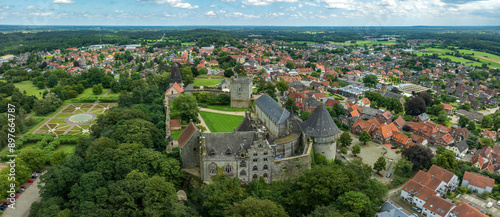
(176,134)
(307,42)
(490,59)
(113,94)
(220,122)
(66,148)
(226,108)
(206,82)
(367,42)
(187,43)
(210,76)
(88,93)
(31,90)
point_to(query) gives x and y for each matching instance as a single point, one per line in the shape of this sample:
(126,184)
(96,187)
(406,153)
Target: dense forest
(16,42)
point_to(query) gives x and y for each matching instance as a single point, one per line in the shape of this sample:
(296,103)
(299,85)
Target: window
(228,169)
(265,175)
(255,160)
(265,159)
(254,154)
(243,173)
(228,151)
(212,168)
(212,152)
(243,164)
(265,153)
(194,149)
(265,167)
(254,168)
(255,176)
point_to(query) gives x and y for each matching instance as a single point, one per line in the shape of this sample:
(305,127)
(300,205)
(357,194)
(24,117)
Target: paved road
(23,203)
(223,112)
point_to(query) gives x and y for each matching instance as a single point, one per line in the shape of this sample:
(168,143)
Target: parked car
(38,171)
(389,174)
(2,207)
(498,202)
(30,181)
(23,187)
(416,209)
(489,205)
(394,147)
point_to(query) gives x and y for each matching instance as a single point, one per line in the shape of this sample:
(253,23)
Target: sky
(251,12)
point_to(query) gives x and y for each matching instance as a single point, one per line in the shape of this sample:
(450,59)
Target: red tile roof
(479,180)
(463,209)
(186,134)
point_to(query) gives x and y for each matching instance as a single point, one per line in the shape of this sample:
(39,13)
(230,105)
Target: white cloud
(173,3)
(31,7)
(168,15)
(118,11)
(265,2)
(41,14)
(311,4)
(227,0)
(213,6)
(300,5)
(63,2)
(211,13)
(6,7)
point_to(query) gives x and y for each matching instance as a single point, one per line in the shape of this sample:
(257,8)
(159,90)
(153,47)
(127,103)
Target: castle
(269,143)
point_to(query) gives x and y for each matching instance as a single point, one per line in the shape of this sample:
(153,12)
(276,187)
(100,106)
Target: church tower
(175,76)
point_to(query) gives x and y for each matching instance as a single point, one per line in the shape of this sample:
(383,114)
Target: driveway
(481,204)
(23,203)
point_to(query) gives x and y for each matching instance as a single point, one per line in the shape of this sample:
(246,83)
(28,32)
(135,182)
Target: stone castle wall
(292,167)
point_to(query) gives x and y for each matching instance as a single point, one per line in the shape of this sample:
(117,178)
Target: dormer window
(228,151)
(212,152)
(243,164)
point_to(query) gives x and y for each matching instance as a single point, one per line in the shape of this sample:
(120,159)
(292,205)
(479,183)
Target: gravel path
(202,123)
(222,112)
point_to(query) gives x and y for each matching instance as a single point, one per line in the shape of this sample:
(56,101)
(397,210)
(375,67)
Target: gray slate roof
(175,76)
(272,108)
(462,146)
(389,210)
(423,117)
(320,123)
(235,141)
(392,95)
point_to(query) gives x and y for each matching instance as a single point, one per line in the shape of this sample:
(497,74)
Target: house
(361,125)
(390,210)
(384,132)
(464,209)
(485,159)
(384,117)
(445,140)
(489,134)
(369,113)
(460,148)
(175,124)
(422,118)
(448,108)
(437,207)
(478,183)
(399,122)
(174,90)
(459,133)
(364,102)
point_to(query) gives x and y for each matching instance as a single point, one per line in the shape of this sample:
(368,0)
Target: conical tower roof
(320,123)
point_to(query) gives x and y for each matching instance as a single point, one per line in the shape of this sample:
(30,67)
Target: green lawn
(495,60)
(210,76)
(206,82)
(176,134)
(220,122)
(113,94)
(69,149)
(366,42)
(88,93)
(52,113)
(31,90)
(187,43)
(307,42)
(254,90)
(32,129)
(226,108)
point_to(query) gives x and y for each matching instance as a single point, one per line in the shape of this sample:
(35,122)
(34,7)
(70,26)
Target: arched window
(265,175)
(255,168)
(228,168)
(212,168)
(265,167)
(212,152)
(255,176)
(228,151)
(243,173)
(243,164)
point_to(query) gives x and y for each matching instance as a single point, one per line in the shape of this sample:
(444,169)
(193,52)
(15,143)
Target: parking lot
(371,152)
(24,201)
(481,204)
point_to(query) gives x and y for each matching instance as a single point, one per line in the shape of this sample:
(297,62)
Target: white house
(478,183)
(437,207)
(460,149)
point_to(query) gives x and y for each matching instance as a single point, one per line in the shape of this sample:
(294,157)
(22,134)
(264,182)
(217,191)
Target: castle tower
(241,91)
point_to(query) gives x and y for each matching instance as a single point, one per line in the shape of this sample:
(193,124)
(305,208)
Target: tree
(466,106)
(325,211)
(415,106)
(472,126)
(365,137)
(188,107)
(357,202)
(496,123)
(290,64)
(97,89)
(52,81)
(370,80)
(290,104)
(282,85)
(380,164)
(304,115)
(57,158)
(203,71)
(426,97)
(40,85)
(418,155)
(356,149)
(463,121)
(345,139)
(447,160)
(253,207)
(49,104)
(486,122)
(221,194)
(403,167)
(228,73)
(34,158)
(343,150)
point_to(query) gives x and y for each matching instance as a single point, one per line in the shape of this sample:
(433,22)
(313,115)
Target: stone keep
(241,91)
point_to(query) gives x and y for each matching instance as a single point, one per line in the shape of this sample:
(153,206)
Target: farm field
(487,58)
(206,82)
(31,90)
(220,122)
